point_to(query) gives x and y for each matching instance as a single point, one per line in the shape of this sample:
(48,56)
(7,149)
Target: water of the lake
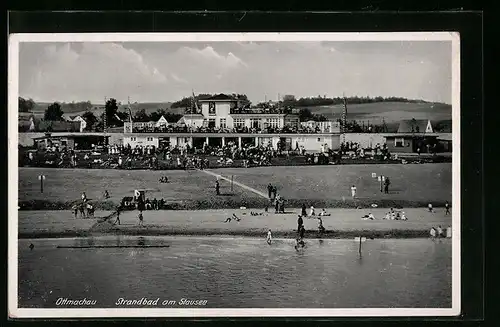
(238,272)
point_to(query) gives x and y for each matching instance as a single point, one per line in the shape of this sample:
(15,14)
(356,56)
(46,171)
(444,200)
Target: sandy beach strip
(342,223)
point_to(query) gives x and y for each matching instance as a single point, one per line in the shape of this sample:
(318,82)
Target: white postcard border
(13,91)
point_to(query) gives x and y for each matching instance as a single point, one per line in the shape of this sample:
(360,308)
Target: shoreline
(329,234)
(342,223)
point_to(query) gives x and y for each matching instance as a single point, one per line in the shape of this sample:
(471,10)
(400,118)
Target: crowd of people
(354,150)
(300,129)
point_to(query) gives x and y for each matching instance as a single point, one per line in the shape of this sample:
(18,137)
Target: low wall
(366,140)
(26,139)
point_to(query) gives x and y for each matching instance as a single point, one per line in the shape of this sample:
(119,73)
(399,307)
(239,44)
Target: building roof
(68,135)
(445,137)
(415,126)
(193,116)
(219,97)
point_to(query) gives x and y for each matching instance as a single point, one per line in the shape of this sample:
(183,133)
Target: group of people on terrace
(238,129)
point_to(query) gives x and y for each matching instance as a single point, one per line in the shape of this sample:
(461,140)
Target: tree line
(113,117)
(186,102)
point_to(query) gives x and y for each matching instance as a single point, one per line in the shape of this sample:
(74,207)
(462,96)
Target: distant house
(412,136)
(162,122)
(415,126)
(76,118)
(70,141)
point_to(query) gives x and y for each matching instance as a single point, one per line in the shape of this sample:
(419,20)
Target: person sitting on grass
(323,213)
(369,216)
(433,232)
(228,220)
(430,207)
(403,216)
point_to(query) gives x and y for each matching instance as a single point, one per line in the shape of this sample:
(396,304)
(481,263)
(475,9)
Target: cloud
(169,71)
(209,55)
(96,69)
(178,79)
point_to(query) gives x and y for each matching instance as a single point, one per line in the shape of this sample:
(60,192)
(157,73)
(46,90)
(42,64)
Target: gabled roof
(415,126)
(220,97)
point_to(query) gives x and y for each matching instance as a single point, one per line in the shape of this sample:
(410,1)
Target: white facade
(324,126)
(217,113)
(309,142)
(140,140)
(82,121)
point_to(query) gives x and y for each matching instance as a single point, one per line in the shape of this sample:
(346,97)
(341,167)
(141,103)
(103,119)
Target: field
(322,186)
(390,111)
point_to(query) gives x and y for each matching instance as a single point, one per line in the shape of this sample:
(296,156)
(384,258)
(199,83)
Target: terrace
(241,130)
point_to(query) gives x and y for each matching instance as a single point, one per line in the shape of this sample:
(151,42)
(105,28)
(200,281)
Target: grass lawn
(68,184)
(426,182)
(318,185)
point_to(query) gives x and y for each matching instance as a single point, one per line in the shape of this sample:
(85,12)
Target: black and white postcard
(234,175)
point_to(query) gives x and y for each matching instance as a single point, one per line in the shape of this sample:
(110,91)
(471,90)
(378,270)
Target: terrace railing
(241,130)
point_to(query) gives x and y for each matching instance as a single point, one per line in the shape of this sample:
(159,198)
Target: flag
(194,104)
(129,113)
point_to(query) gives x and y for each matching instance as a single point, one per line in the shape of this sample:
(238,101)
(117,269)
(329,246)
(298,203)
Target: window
(223,123)
(132,139)
(319,139)
(272,122)
(150,139)
(64,142)
(399,142)
(211,108)
(239,122)
(211,123)
(255,122)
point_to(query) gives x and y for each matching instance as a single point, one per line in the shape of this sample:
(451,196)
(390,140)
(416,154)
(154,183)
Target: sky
(169,71)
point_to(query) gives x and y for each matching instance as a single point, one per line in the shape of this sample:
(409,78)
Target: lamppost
(41,178)
(381,179)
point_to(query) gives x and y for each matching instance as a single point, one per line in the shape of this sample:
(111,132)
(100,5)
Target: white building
(221,119)
(76,118)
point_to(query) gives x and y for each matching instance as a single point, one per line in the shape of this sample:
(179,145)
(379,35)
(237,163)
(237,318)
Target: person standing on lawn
(217,187)
(270,190)
(303,211)
(353,191)
(387,182)
(300,223)
(447,206)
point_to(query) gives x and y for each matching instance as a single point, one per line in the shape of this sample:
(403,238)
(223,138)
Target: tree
(155,116)
(26,105)
(289,100)
(305,114)
(90,119)
(54,112)
(111,110)
(123,115)
(141,116)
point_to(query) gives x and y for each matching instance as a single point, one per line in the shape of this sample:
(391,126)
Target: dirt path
(246,187)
